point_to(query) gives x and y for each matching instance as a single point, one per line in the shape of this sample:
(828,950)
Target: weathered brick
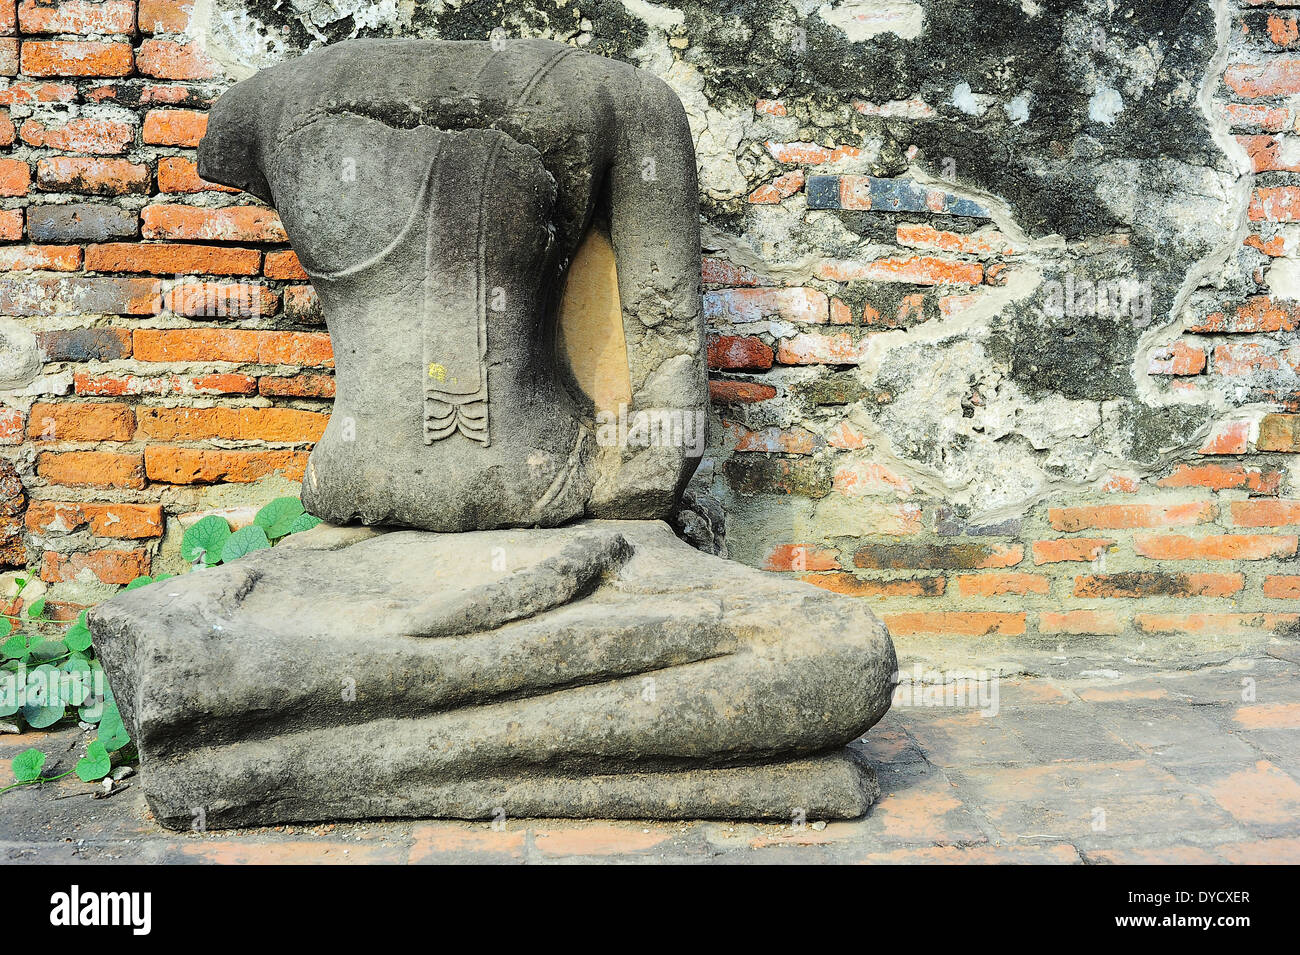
(194,466)
(1282,587)
(81,134)
(800,557)
(1259,314)
(813,348)
(723,391)
(76,58)
(1216,547)
(197,299)
(860,478)
(231,224)
(1275,204)
(962,623)
(775,440)
(7,131)
(1265,513)
(21,93)
(913,270)
(310,349)
(77,16)
(12,425)
(743,305)
(854,586)
(80,222)
(15,177)
(92,469)
(11,224)
(1222,477)
(102,177)
(238,345)
(284,265)
(1265,153)
(1278,76)
(44,258)
(1106,516)
(920,236)
(296,386)
(1158,584)
(1080,622)
(174,127)
(84,344)
(1243,358)
(782,187)
(76,295)
(108,566)
(1228,437)
(738,351)
(8,17)
(110,385)
(172,259)
(80,421)
(809,154)
(1279,432)
(243,424)
(104,520)
(179,175)
(1085,549)
(8,56)
(165,16)
(302,305)
(760,474)
(714,271)
(174,60)
(992,585)
(1271,119)
(967,555)
(1218,624)
(1178,358)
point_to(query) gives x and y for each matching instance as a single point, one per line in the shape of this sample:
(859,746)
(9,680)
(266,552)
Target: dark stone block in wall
(80,222)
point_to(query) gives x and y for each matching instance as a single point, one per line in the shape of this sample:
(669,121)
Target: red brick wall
(185,364)
(183,352)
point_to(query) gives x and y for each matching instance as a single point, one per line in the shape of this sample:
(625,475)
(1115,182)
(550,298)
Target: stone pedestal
(600,670)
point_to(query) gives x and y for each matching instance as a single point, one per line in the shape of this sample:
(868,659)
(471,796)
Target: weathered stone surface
(468,175)
(603,669)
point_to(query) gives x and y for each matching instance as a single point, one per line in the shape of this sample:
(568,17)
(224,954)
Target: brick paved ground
(1150,765)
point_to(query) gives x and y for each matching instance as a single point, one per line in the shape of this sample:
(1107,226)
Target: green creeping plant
(47,671)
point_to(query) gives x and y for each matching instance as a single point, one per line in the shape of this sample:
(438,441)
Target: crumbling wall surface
(1001,295)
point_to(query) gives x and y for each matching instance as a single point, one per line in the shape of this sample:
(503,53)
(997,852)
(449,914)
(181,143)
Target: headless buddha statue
(436,193)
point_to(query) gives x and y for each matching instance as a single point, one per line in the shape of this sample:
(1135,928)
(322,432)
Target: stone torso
(437,206)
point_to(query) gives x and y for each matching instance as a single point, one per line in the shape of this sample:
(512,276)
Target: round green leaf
(95,764)
(205,539)
(112,731)
(36,609)
(77,683)
(9,693)
(6,627)
(138,583)
(27,765)
(15,648)
(42,705)
(277,517)
(244,541)
(78,636)
(48,650)
(304,522)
